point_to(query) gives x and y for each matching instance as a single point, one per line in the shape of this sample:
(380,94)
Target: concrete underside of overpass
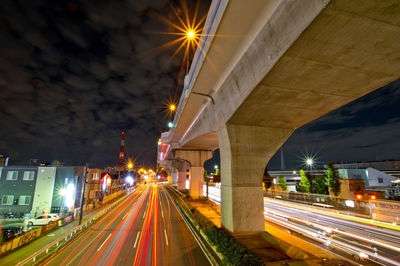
(305,59)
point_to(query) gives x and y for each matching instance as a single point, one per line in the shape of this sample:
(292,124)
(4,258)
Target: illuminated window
(29,175)
(12,175)
(7,200)
(24,200)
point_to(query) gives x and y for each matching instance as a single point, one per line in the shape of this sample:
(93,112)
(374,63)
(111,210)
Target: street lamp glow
(309,161)
(172,107)
(190,34)
(130,165)
(215,166)
(170,124)
(129,180)
(70,196)
(62,192)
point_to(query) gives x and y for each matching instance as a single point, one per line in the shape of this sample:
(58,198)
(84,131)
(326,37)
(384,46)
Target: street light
(190,34)
(215,166)
(170,124)
(172,107)
(309,162)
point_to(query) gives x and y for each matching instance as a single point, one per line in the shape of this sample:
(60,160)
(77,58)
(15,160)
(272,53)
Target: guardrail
(31,235)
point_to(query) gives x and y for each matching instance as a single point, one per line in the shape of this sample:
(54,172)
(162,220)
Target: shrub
(233,252)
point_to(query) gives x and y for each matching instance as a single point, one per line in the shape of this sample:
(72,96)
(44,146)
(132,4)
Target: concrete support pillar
(245,151)
(180,166)
(174,177)
(169,173)
(182,179)
(196,159)
(196,181)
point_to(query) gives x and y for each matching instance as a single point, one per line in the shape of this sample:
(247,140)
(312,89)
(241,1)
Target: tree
(332,178)
(217,171)
(282,182)
(321,186)
(304,185)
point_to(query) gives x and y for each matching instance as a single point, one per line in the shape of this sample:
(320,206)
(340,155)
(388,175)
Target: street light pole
(83,194)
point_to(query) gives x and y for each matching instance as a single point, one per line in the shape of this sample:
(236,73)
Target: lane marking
(137,237)
(166,238)
(104,242)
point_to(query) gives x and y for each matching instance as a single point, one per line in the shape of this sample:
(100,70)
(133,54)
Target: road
(144,229)
(340,233)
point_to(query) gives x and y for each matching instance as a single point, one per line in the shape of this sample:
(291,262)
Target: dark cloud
(73,74)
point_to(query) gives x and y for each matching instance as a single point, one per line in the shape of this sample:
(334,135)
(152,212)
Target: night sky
(74,74)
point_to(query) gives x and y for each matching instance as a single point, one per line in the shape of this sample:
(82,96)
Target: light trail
(104,242)
(124,238)
(322,232)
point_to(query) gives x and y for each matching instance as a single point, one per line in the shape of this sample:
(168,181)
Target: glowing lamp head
(309,161)
(172,107)
(130,165)
(129,180)
(373,197)
(190,34)
(359,196)
(62,192)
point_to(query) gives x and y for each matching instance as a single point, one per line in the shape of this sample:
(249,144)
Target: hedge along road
(148,230)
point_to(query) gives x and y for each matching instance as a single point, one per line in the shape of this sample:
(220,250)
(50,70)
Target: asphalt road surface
(144,229)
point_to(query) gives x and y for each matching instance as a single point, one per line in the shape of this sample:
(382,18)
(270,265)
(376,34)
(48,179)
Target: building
(376,182)
(389,167)
(93,191)
(350,188)
(37,190)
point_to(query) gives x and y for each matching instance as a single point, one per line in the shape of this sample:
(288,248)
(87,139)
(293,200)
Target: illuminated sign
(106,181)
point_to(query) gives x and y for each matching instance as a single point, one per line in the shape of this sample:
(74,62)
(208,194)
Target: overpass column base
(245,151)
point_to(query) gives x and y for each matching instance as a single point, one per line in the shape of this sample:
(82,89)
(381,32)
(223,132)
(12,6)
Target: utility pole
(83,194)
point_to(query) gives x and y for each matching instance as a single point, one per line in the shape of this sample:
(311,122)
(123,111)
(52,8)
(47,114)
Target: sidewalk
(27,250)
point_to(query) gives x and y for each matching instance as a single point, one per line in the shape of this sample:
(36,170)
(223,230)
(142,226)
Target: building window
(24,200)
(380,180)
(29,175)
(7,200)
(12,175)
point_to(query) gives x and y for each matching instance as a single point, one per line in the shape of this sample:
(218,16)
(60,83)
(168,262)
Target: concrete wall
(43,196)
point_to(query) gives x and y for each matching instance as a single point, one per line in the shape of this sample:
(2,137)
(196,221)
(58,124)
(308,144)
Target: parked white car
(43,219)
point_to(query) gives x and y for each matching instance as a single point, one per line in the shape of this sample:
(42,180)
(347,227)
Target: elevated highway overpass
(266,68)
